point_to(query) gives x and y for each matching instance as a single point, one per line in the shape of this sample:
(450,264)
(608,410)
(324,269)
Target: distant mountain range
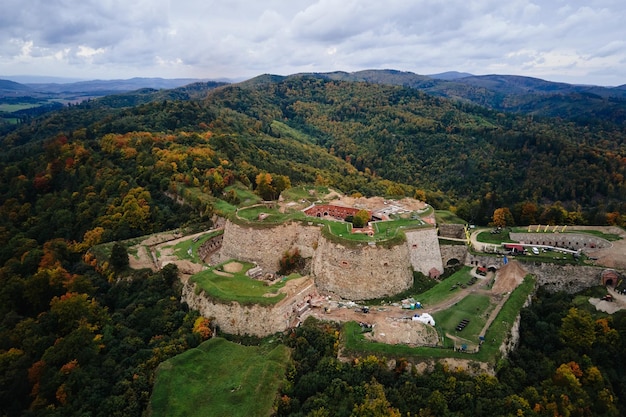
(510,93)
(88,88)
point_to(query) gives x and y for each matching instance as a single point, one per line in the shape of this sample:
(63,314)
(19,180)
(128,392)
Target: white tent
(424,318)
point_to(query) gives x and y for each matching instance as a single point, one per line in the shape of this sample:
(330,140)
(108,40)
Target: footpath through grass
(220,378)
(441,291)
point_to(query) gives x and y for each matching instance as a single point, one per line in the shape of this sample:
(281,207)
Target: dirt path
(162,243)
(392,324)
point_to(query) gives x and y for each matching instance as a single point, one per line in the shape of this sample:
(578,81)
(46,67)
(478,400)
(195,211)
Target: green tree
(375,403)
(361,218)
(578,330)
(119,257)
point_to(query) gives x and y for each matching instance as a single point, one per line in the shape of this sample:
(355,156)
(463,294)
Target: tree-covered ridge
(466,151)
(584,104)
(568,363)
(459,154)
(78,338)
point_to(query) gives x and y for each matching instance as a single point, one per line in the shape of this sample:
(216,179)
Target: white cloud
(582,41)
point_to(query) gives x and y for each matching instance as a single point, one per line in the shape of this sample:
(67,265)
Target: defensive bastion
(354,272)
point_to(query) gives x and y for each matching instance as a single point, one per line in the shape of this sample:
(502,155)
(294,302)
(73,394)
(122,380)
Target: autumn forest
(83,336)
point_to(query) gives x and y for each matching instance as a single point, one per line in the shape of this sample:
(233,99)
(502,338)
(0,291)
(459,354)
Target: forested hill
(82,337)
(474,155)
(461,154)
(583,104)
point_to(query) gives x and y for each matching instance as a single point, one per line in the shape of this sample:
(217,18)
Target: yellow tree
(361,218)
(375,403)
(502,217)
(264,186)
(578,330)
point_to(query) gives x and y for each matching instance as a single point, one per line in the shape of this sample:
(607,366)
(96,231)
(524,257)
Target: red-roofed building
(337,212)
(514,248)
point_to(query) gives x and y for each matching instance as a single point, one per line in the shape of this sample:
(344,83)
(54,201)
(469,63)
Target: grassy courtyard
(217,283)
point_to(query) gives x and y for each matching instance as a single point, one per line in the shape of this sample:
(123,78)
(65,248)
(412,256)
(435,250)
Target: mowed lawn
(220,378)
(441,291)
(475,308)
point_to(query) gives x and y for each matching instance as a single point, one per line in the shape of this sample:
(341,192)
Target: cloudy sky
(572,41)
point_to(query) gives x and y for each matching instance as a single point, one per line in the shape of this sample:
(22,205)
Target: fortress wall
(568,278)
(265,246)
(449,252)
(456,231)
(565,240)
(424,252)
(486,260)
(363,273)
(254,320)
(210,246)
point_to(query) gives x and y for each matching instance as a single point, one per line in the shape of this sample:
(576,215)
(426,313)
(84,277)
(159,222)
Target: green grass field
(220,378)
(181,249)
(442,291)
(355,343)
(10,108)
(238,286)
(476,308)
(445,216)
(494,238)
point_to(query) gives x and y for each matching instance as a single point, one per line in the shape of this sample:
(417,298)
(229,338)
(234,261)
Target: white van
(535,251)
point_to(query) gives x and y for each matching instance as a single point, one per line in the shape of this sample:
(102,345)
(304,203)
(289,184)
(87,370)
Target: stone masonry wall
(565,240)
(568,278)
(449,252)
(362,273)
(210,246)
(424,252)
(456,231)
(265,246)
(254,320)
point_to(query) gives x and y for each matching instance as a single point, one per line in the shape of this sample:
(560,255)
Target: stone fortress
(359,271)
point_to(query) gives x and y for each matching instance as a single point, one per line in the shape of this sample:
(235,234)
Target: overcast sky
(572,41)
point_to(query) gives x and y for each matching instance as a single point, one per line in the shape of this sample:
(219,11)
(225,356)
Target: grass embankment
(447,217)
(220,378)
(499,329)
(273,215)
(388,232)
(237,286)
(182,252)
(441,291)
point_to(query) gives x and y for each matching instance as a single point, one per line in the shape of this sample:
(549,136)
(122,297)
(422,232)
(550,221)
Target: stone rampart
(455,231)
(254,320)
(211,246)
(568,278)
(424,252)
(265,246)
(450,253)
(361,273)
(573,241)
(487,261)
